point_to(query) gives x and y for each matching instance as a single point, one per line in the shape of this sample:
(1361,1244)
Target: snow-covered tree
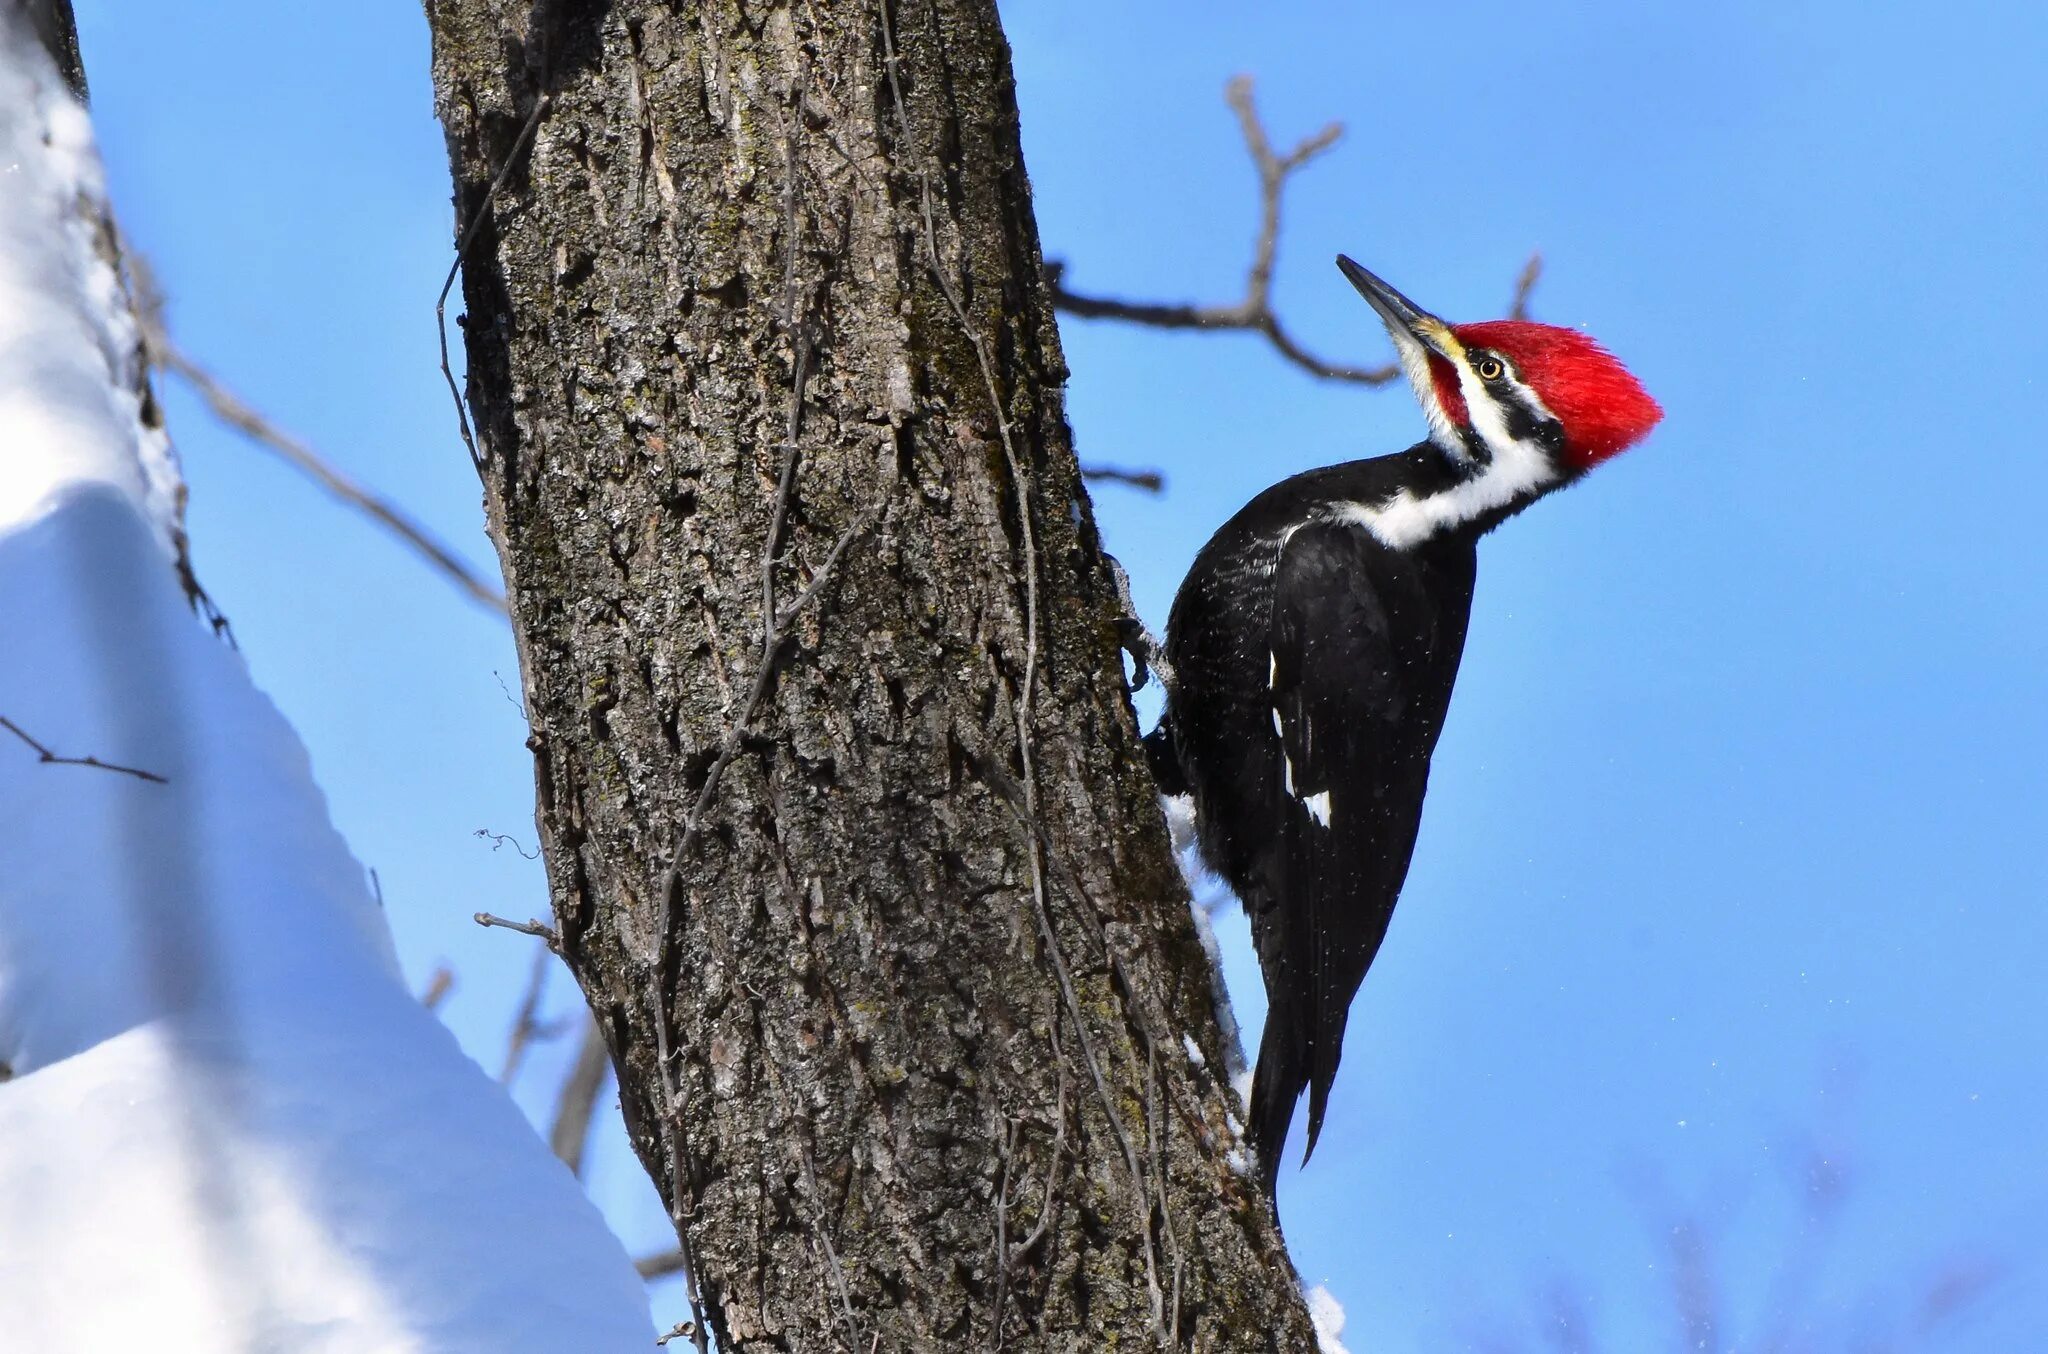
(225,1124)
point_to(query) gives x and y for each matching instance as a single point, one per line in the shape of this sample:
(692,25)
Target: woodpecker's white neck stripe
(1519,470)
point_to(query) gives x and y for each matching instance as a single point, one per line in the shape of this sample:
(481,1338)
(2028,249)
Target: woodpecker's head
(1511,391)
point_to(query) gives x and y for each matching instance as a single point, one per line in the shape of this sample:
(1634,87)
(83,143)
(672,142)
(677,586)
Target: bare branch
(530,928)
(230,409)
(577,1101)
(224,404)
(439,985)
(1254,312)
(659,1265)
(1525,282)
(49,758)
(1146,481)
(526,1023)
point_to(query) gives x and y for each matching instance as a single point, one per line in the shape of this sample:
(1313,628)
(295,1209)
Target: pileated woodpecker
(1314,644)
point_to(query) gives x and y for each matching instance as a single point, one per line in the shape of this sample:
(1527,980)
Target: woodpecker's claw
(1138,642)
(1148,655)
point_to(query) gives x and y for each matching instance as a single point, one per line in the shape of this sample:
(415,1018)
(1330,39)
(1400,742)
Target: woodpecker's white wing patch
(1318,806)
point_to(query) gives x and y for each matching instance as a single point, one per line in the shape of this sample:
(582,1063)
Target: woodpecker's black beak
(1404,319)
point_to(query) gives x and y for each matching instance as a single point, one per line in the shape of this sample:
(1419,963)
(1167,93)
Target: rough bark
(913,933)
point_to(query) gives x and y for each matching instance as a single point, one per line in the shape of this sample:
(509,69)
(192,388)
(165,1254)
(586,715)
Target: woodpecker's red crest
(1492,388)
(1603,407)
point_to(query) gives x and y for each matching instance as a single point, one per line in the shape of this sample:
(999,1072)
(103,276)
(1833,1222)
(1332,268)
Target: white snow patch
(231,1129)
(68,345)
(1180,827)
(1328,1315)
(1242,1084)
(1194,1051)
(1219,994)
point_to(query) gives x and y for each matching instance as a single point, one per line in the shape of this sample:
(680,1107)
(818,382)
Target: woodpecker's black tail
(1315,945)
(1276,1086)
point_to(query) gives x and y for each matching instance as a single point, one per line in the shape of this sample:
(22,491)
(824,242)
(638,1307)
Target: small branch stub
(531,928)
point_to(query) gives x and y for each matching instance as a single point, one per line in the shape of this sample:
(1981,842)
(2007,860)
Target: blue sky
(1734,844)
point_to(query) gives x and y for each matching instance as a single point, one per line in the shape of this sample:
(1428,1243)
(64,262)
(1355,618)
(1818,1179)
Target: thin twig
(526,1022)
(1147,481)
(49,758)
(1052,1169)
(1159,1179)
(1012,795)
(511,699)
(469,235)
(818,1229)
(1001,1257)
(1525,283)
(659,1265)
(530,928)
(439,984)
(1254,311)
(569,1134)
(230,409)
(224,404)
(772,636)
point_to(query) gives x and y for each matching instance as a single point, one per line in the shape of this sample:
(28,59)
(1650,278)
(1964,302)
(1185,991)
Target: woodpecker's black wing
(1355,707)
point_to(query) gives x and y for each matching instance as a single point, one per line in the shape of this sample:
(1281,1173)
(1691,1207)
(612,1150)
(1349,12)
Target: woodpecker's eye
(1490,369)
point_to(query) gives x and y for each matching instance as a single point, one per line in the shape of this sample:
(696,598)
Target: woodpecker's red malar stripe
(1450,397)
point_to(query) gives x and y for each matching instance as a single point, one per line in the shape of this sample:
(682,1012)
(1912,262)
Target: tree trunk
(839,782)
